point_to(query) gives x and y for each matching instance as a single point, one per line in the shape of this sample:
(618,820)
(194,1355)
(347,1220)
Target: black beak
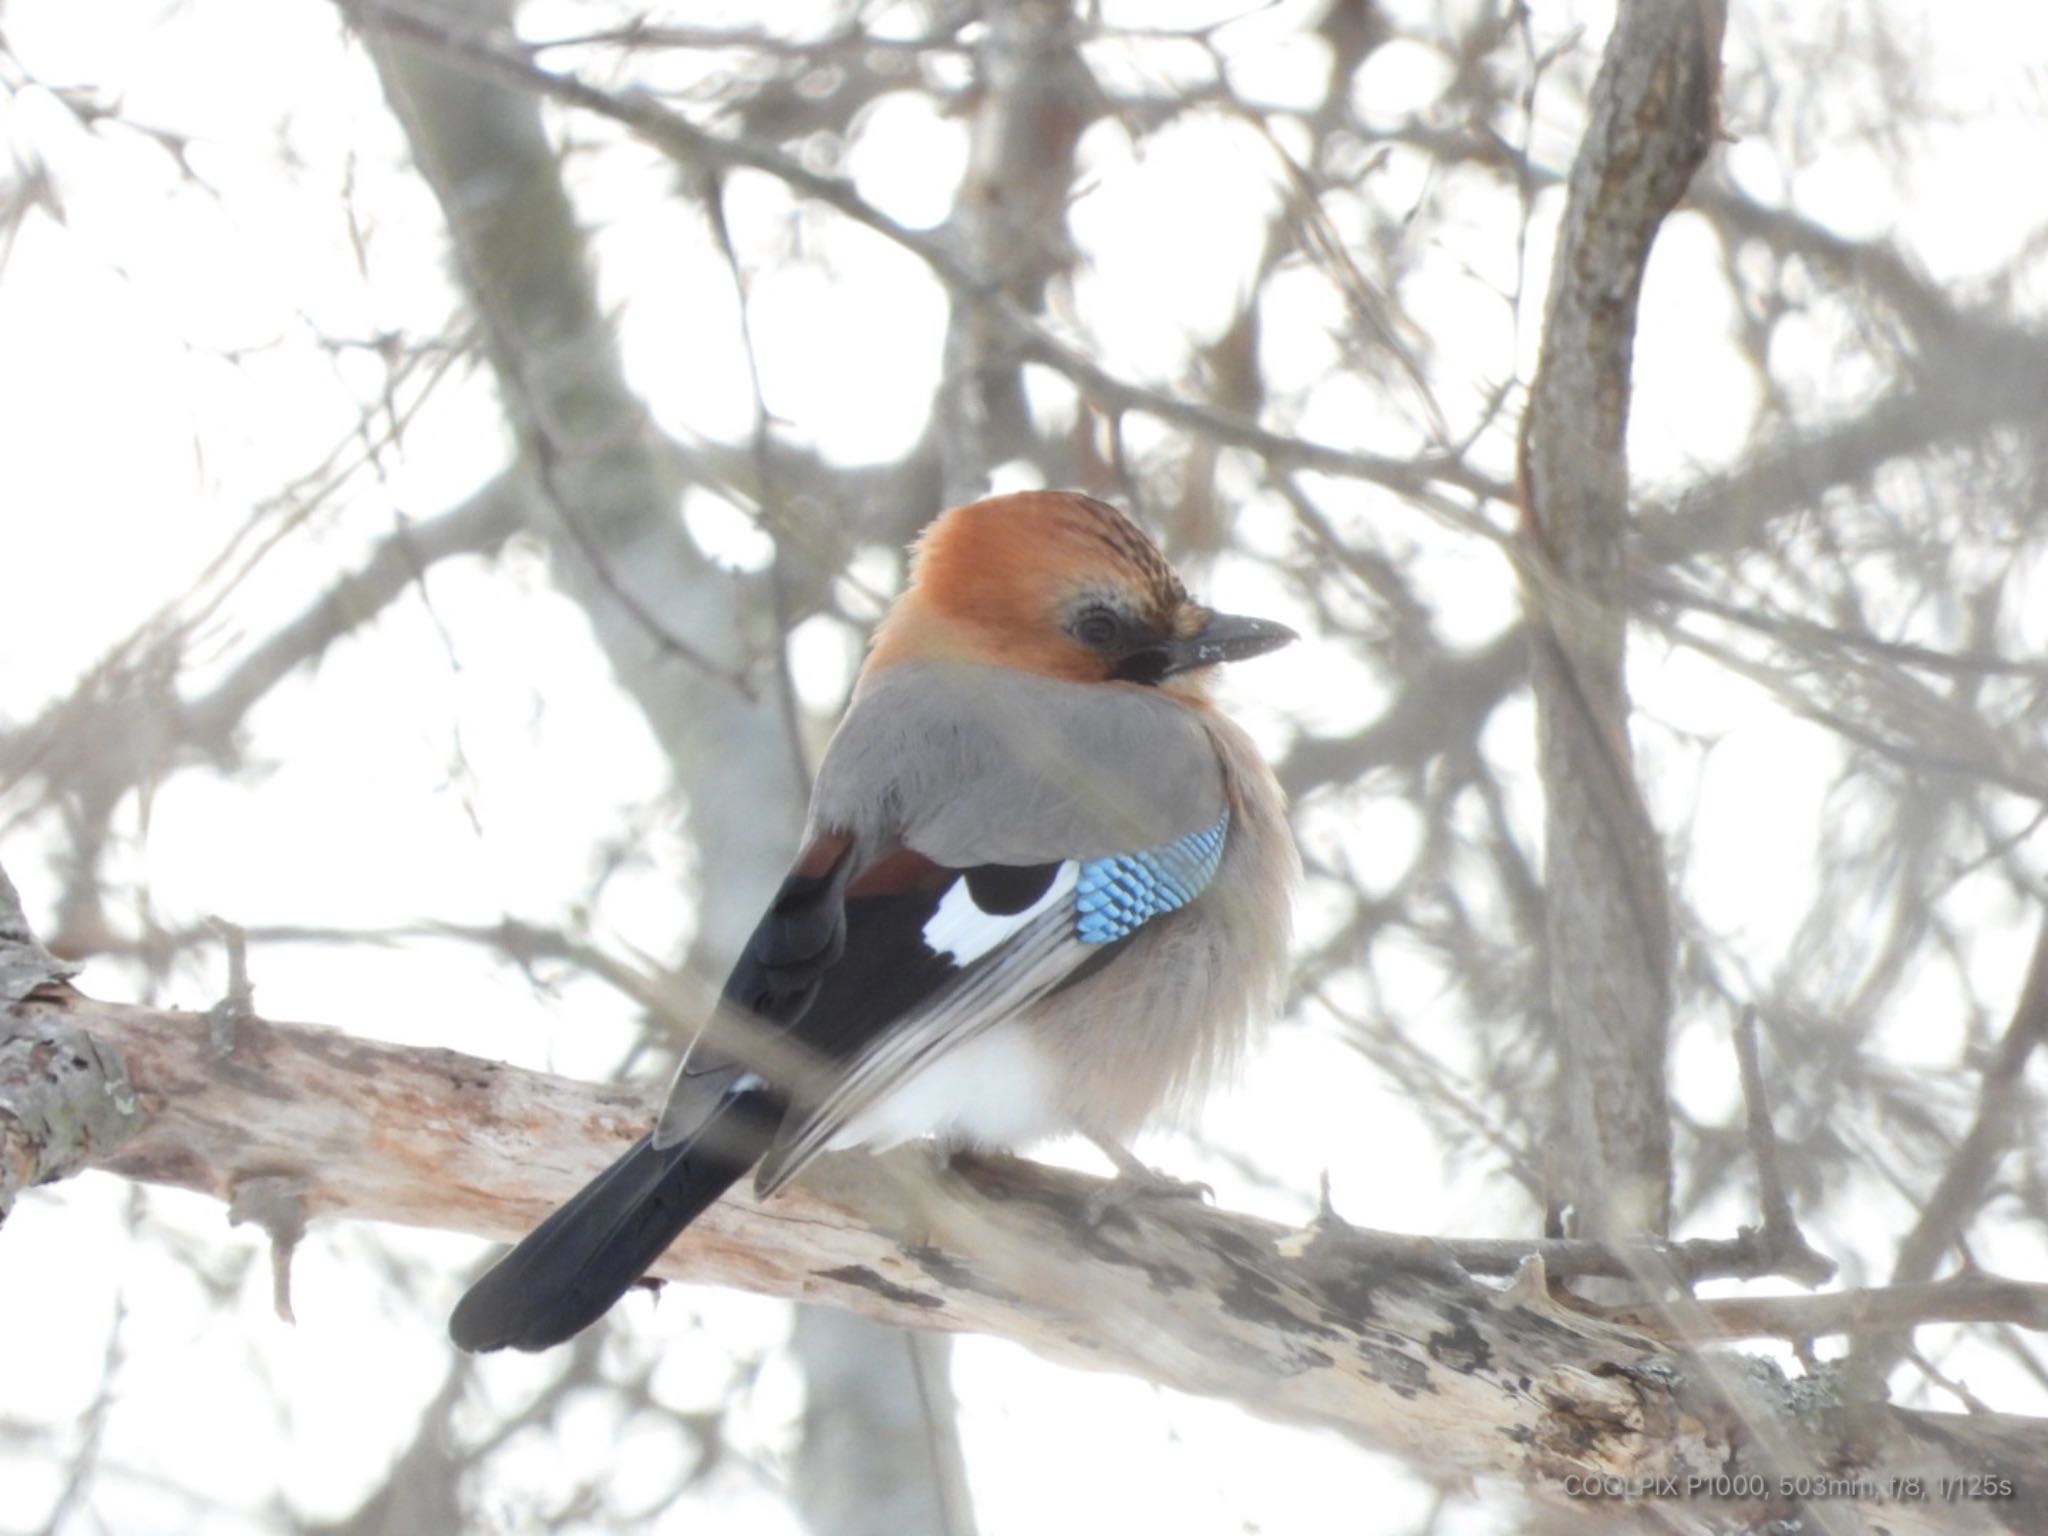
(1226,637)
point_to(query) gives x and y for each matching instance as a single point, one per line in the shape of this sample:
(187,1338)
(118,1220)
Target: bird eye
(1098,629)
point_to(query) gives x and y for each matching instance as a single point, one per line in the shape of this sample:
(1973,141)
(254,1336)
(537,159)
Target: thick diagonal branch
(678,632)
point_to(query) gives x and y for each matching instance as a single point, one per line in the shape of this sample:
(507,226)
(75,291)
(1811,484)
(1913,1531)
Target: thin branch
(1955,1200)
(480,525)
(1781,1232)
(1940,748)
(1791,631)
(1871,1310)
(677,136)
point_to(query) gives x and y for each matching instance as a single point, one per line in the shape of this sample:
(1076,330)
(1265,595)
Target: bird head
(1065,586)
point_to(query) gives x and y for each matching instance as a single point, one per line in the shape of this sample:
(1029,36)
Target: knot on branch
(65,1101)
(276,1202)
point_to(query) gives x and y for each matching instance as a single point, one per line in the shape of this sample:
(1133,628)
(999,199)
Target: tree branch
(1653,113)
(678,631)
(1386,1340)
(1871,1310)
(677,136)
(479,525)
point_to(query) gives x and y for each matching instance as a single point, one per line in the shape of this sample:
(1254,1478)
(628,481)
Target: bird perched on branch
(1044,888)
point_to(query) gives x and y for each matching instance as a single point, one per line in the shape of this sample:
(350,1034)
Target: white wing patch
(963,931)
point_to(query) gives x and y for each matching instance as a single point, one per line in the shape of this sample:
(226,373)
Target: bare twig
(238,1003)
(675,135)
(1957,1197)
(277,1204)
(1876,1309)
(1781,1229)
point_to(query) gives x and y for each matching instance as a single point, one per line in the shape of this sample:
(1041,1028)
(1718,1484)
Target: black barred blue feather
(1115,897)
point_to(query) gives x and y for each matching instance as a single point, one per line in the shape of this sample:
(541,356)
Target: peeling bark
(64,1097)
(65,1103)
(1386,1340)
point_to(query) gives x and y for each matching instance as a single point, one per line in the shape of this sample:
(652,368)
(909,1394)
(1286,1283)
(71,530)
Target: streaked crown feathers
(994,580)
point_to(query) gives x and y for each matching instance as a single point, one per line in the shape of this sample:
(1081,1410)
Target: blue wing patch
(1115,897)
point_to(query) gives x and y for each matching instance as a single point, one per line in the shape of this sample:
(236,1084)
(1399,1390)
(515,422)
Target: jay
(1044,888)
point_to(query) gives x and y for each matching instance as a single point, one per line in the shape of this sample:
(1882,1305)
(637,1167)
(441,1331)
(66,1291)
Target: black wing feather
(566,1273)
(835,960)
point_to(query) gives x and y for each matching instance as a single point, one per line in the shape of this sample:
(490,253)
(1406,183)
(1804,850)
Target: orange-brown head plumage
(1059,584)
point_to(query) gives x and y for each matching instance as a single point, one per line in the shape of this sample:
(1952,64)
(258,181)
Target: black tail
(573,1266)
